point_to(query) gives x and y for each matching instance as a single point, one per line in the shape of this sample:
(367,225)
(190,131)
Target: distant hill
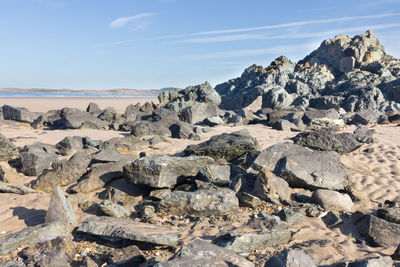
(110,92)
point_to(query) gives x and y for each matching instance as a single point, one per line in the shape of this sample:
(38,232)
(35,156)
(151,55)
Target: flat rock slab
(15,189)
(32,235)
(228,146)
(128,229)
(163,171)
(252,241)
(200,253)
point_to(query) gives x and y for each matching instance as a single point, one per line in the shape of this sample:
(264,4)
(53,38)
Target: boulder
(60,209)
(18,114)
(35,162)
(291,258)
(252,241)
(15,189)
(63,173)
(378,232)
(7,149)
(121,228)
(32,235)
(277,98)
(269,187)
(199,253)
(74,119)
(70,144)
(332,200)
(381,261)
(390,214)
(312,114)
(181,130)
(228,146)
(198,112)
(109,155)
(125,144)
(200,203)
(218,174)
(327,140)
(143,128)
(164,171)
(114,210)
(93,108)
(365,117)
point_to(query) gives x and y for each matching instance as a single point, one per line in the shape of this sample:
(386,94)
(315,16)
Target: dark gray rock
(289,216)
(346,64)
(198,112)
(271,188)
(248,200)
(366,117)
(125,144)
(199,253)
(164,171)
(218,174)
(327,140)
(227,146)
(390,214)
(7,149)
(32,235)
(74,119)
(60,209)
(181,130)
(332,200)
(112,227)
(266,221)
(18,114)
(277,98)
(252,241)
(396,254)
(93,108)
(315,114)
(143,128)
(15,189)
(381,261)
(63,173)
(291,258)
(70,144)
(200,203)
(35,162)
(109,155)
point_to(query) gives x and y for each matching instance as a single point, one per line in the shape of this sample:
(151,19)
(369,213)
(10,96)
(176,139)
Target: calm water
(15,94)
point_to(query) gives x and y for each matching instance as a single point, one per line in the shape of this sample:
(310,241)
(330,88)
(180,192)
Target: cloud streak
(122,21)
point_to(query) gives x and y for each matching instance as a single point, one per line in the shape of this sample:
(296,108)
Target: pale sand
(376,175)
(40,104)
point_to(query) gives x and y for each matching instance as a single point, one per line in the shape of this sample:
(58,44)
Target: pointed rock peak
(60,209)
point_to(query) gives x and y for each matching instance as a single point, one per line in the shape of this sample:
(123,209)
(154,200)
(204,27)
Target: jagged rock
(125,144)
(285,125)
(317,114)
(34,162)
(381,261)
(18,114)
(179,99)
(114,210)
(70,144)
(164,171)
(108,155)
(63,173)
(327,140)
(15,189)
(198,112)
(269,187)
(390,214)
(7,149)
(396,254)
(159,193)
(291,258)
(332,200)
(60,209)
(127,229)
(346,64)
(365,117)
(277,98)
(99,175)
(252,241)
(289,216)
(32,235)
(143,128)
(227,146)
(378,231)
(200,203)
(248,200)
(199,253)
(218,174)
(214,121)
(181,130)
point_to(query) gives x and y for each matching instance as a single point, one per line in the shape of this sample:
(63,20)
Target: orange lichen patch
(292,162)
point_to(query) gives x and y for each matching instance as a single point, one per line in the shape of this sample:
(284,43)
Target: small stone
(114,210)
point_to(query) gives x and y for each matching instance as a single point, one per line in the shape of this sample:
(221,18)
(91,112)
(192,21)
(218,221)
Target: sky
(151,44)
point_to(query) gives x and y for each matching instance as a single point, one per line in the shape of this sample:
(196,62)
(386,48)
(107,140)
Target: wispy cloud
(122,21)
(241,37)
(284,49)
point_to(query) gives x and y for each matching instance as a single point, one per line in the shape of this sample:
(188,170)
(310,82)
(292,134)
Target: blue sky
(147,44)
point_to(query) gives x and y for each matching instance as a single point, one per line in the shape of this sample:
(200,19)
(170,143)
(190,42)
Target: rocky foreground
(224,200)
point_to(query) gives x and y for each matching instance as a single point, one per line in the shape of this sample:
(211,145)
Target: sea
(32,94)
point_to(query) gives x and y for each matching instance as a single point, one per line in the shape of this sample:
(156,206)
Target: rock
(269,187)
(199,253)
(15,189)
(76,119)
(346,64)
(277,98)
(332,200)
(198,112)
(159,194)
(18,114)
(124,145)
(99,175)
(391,214)
(7,149)
(35,162)
(366,117)
(289,216)
(70,144)
(227,146)
(332,219)
(378,232)
(327,140)
(200,203)
(127,229)
(248,200)
(60,209)
(381,261)
(114,210)
(3,177)
(163,171)
(32,235)
(285,125)
(252,241)
(63,173)
(214,121)
(143,128)
(312,114)
(108,155)
(396,254)
(126,256)
(291,258)
(314,170)
(93,108)
(266,221)
(147,212)
(218,174)
(181,130)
